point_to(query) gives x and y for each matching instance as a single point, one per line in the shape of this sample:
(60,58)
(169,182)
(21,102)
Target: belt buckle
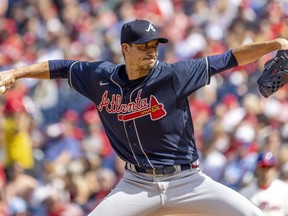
(155,174)
(170,170)
(166,171)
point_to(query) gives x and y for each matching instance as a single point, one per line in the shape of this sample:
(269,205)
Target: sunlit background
(54,156)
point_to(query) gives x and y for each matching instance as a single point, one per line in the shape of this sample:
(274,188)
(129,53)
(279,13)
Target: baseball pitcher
(144,109)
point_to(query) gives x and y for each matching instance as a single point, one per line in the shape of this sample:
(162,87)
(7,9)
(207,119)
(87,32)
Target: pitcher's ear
(125,47)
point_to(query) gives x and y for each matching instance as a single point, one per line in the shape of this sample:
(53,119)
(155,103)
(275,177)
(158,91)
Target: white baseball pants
(189,192)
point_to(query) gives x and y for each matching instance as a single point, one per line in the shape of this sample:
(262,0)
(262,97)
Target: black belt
(164,170)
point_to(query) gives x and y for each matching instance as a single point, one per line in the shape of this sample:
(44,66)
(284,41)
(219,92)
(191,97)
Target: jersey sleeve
(190,75)
(59,68)
(84,76)
(221,62)
(193,74)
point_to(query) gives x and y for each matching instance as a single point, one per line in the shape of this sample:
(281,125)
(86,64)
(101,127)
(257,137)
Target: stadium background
(54,156)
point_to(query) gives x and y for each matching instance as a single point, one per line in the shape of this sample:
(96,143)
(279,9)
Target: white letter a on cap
(150,27)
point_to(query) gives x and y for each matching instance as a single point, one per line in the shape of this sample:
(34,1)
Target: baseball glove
(275,74)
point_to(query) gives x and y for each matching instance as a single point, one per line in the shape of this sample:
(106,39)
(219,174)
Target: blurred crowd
(54,156)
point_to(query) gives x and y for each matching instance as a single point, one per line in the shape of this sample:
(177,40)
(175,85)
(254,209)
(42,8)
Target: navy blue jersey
(148,123)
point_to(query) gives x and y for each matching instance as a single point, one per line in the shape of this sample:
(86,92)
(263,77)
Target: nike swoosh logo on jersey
(103,83)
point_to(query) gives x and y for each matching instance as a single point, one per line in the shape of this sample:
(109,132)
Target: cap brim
(147,39)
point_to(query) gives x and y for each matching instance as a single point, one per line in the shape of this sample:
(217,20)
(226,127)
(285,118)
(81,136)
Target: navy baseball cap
(266,159)
(140,32)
